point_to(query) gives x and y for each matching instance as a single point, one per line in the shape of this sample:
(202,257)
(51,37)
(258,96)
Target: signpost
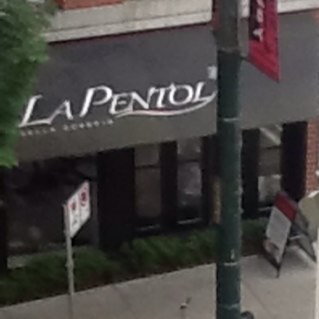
(77,211)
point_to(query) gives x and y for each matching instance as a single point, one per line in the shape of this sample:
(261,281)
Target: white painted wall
(131,15)
(138,15)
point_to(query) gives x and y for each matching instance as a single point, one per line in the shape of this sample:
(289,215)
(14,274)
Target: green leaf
(22,50)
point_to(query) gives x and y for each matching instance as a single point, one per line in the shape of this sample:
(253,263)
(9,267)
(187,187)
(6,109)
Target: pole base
(247,315)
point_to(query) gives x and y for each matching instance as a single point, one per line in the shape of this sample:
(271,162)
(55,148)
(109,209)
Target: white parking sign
(77,209)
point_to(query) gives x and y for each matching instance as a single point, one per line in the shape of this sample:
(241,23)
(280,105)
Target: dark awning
(113,92)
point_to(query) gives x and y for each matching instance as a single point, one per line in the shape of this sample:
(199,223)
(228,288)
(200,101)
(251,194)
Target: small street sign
(77,209)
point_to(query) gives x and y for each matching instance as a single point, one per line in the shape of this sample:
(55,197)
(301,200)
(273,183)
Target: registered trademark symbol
(212,72)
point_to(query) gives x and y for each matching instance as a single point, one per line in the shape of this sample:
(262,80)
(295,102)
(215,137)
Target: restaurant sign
(172,100)
(110,93)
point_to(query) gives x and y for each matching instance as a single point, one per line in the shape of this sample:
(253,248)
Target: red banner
(215,18)
(263,37)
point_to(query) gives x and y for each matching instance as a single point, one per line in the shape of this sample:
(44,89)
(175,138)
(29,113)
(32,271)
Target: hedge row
(45,275)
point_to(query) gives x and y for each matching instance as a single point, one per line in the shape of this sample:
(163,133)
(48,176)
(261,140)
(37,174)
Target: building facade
(127,100)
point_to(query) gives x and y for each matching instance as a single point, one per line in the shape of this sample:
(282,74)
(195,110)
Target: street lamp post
(229,154)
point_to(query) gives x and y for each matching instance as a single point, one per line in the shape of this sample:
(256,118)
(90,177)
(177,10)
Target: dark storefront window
(36,194)
(189,180)
(154,209)
(269,168)
(147,177)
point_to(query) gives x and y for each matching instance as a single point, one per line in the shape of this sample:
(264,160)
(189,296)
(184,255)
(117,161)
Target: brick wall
(77,4)
(311,156)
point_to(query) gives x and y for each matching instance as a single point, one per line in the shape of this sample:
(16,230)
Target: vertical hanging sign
(215,15)
(263,37)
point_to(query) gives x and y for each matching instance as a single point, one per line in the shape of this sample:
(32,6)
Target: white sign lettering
(173,100)
(89,101)
(260,16)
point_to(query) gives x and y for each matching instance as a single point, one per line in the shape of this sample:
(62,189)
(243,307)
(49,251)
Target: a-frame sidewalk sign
(286,225)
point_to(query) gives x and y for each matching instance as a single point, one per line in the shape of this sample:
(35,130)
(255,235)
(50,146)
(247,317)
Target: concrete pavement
(159,297)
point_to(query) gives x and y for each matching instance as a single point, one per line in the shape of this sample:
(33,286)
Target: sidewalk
(159,297)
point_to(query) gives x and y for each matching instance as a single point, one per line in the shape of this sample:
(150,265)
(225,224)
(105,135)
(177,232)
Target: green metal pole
(229,150)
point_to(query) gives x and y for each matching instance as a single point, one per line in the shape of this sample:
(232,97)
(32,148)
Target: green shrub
(128,258)
(254,229)
(207,243)
(42,274)
(9,291)
(167,250)
(93,266)
(145,256)
(46,275)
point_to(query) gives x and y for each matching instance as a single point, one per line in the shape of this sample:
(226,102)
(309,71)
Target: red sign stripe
(286,206)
